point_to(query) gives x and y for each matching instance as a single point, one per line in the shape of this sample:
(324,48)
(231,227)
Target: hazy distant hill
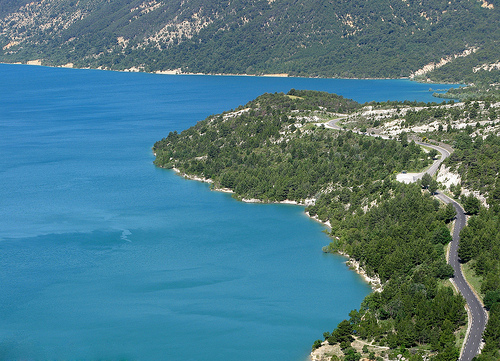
(344,38)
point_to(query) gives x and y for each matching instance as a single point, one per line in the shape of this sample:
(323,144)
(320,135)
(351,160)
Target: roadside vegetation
(470,175)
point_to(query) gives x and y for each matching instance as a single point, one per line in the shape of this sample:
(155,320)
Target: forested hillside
(478,162)
(415,315)
(378,38)
(276,147)
(471,175)
(271,149)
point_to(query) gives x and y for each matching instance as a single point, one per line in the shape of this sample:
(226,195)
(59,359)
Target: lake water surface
(105,257)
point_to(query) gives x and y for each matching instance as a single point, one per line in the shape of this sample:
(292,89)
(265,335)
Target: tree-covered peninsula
(277,148)
(272,149)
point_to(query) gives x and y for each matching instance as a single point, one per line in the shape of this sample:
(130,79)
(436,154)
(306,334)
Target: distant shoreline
(38,62)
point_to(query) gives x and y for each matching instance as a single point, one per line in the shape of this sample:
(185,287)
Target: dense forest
(472,129)
(270,149)
(478,161)
(311,38)
(401,240)
(277,147)
(480,250)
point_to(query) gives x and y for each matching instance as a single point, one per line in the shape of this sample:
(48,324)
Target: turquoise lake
(105,257)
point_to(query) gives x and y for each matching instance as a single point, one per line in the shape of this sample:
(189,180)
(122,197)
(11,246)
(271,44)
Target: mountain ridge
(368,39)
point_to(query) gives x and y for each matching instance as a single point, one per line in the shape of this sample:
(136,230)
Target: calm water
(105,257)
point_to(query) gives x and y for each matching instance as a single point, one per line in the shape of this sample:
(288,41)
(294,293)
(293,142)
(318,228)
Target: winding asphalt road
(435,166)
(476,311)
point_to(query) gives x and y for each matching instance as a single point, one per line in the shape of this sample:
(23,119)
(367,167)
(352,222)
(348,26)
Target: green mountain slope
(348,38)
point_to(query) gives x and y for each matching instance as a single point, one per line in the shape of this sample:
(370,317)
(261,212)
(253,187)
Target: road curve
(435,166)
(411,177)
(332,124)
(477,313)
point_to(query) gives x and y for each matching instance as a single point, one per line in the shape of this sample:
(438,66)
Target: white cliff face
(38,21)
(443,61)
(36,18)
(325,352)
(175,31)
(447,178)
(487,67)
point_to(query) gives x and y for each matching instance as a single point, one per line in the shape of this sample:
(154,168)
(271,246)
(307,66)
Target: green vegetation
(402,240)
(489,91)
(312,38)
(265,150)
(271,149)
(480,246)
(472,278)
(480,239)
(277,147)
(472,129)
(478,163)
(476,68)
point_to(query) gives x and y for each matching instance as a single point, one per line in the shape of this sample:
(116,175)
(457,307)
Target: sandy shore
(325,223)
(193,177)
(180,72)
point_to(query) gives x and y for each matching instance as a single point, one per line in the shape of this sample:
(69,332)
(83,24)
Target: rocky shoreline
(325,351)
(374,281)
